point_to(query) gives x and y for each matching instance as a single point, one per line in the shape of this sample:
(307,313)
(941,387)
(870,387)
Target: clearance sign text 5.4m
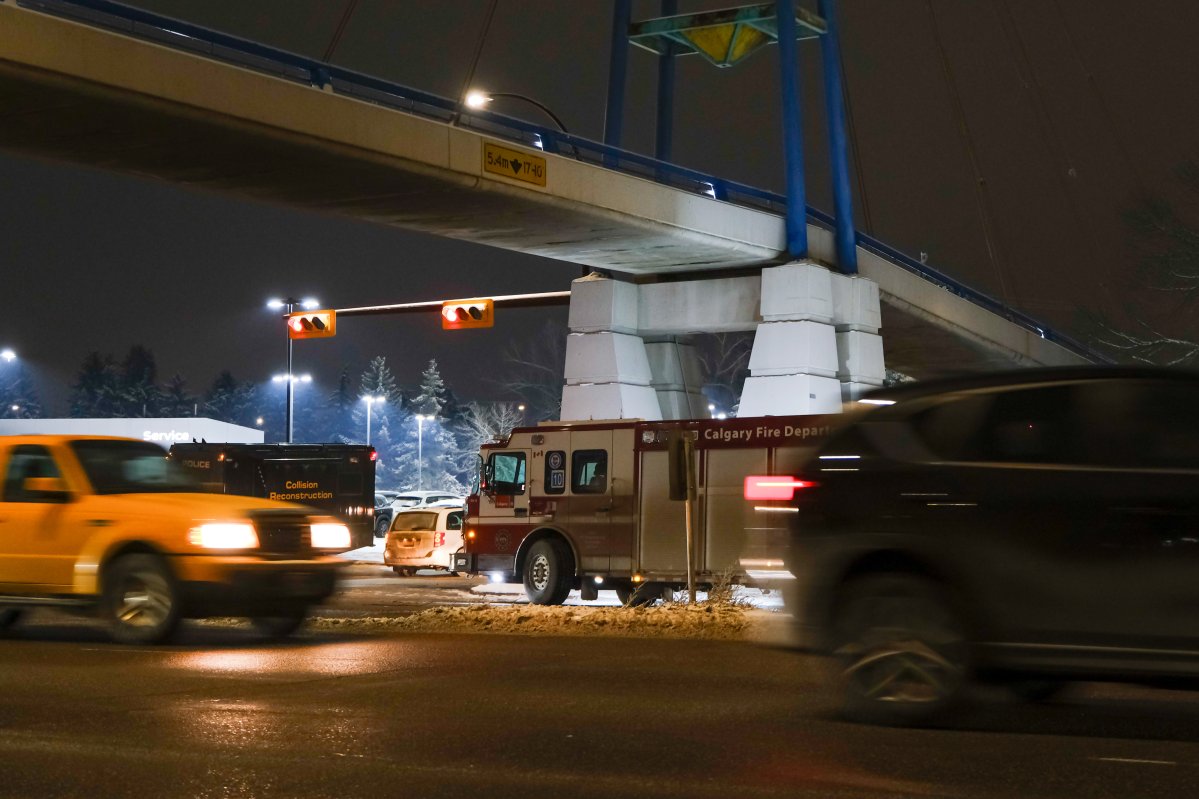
(513,164)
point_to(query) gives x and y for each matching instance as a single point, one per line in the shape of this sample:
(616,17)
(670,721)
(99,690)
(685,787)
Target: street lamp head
(476,99)
(308,303)
(275,303)
(259,421)
(8,355)
(16,408)
(304,378)
(371,400)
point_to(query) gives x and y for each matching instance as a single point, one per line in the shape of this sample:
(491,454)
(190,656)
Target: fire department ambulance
(586,505)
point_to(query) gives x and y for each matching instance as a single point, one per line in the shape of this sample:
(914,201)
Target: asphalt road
(225,714)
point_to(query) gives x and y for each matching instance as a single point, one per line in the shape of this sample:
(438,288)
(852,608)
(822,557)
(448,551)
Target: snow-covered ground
(515,592)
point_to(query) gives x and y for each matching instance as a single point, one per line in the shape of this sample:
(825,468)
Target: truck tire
(140,600)
(900,650)
(9,617)
(280,626)
(381,527)
(639,595)
(549,572)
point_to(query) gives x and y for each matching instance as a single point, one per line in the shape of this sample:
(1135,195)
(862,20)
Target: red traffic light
(459,314)
(312,324)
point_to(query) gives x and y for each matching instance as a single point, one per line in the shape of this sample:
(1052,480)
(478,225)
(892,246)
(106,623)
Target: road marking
(1136,760)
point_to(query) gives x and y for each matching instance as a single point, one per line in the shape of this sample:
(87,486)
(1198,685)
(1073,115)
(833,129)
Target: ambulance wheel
(549,572)
(641,595)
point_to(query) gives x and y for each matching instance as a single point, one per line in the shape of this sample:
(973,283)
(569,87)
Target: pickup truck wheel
(9,617)
(549,572)
(381,528)
(280,626)
(140,600)
(900,650)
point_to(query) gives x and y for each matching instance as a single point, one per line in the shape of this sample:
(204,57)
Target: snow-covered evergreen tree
(437,450)
(137,386)
(176,399)
(19,397)
(385,416)
(95,393)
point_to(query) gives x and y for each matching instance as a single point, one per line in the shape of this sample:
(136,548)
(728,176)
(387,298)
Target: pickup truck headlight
(224,535)
(330,535)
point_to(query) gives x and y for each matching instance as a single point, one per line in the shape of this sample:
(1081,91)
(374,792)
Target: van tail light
(773,487)
(438,539)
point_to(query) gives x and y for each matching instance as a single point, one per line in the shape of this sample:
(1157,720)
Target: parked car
(1031,528)
(421,499)
(424,538)
(112,528)
(384,511)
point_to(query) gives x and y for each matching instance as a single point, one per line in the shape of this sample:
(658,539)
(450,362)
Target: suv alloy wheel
(900,650)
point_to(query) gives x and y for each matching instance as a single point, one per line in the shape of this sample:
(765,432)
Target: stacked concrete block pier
(816,343)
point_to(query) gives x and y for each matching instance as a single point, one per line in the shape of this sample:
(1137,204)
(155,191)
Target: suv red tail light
(773,487)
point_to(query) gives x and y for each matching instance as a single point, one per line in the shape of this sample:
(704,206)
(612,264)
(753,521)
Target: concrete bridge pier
(607,368)
(816,343)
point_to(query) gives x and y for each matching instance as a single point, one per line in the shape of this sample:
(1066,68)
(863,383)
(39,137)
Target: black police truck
(336,478)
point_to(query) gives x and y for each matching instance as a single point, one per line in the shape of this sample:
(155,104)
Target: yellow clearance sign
(513,164)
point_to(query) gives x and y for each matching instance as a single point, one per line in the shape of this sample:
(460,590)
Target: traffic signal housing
(460,314)
(312,324)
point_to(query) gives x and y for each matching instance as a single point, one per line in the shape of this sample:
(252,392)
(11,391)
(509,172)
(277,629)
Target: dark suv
(1029,528)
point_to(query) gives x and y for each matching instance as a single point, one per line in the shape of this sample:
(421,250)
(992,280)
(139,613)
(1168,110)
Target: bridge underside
(204,124)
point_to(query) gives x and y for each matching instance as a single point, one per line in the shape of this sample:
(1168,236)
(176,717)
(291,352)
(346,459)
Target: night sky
(1071,109)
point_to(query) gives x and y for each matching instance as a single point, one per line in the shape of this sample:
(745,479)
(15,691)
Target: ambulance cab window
(589,471)
(507,473)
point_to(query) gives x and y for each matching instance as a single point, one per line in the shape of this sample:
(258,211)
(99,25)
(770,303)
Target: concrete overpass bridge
(96,83)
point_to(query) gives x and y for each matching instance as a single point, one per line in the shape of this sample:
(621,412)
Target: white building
(163,432)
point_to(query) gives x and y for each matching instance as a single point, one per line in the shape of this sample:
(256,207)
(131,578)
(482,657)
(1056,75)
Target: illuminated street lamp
(421,418)
(8,355)
(478,99)
(290,304)
(370,401)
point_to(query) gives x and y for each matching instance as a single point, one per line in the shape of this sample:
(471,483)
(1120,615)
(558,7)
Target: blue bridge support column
(797,201)
(665,128)
(618,67)
(834,100)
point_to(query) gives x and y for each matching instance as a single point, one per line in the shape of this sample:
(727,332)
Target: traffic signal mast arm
(542,299)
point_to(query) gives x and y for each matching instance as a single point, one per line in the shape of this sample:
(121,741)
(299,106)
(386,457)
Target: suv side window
(1140,424)
(1029,426)
(453,521)
(27,460)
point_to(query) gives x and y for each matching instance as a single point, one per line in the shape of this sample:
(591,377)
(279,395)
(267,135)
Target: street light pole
(370,401)
(420,455)
(291,380)
(290,304)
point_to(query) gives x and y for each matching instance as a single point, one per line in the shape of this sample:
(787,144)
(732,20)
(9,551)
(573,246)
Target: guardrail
(291,66)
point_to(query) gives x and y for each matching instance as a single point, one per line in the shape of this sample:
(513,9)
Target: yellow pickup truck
(111,527)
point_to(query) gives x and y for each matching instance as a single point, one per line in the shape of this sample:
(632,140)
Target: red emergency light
(773,487)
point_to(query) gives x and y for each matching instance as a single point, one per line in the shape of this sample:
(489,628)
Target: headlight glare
(224,535)
(330,535)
